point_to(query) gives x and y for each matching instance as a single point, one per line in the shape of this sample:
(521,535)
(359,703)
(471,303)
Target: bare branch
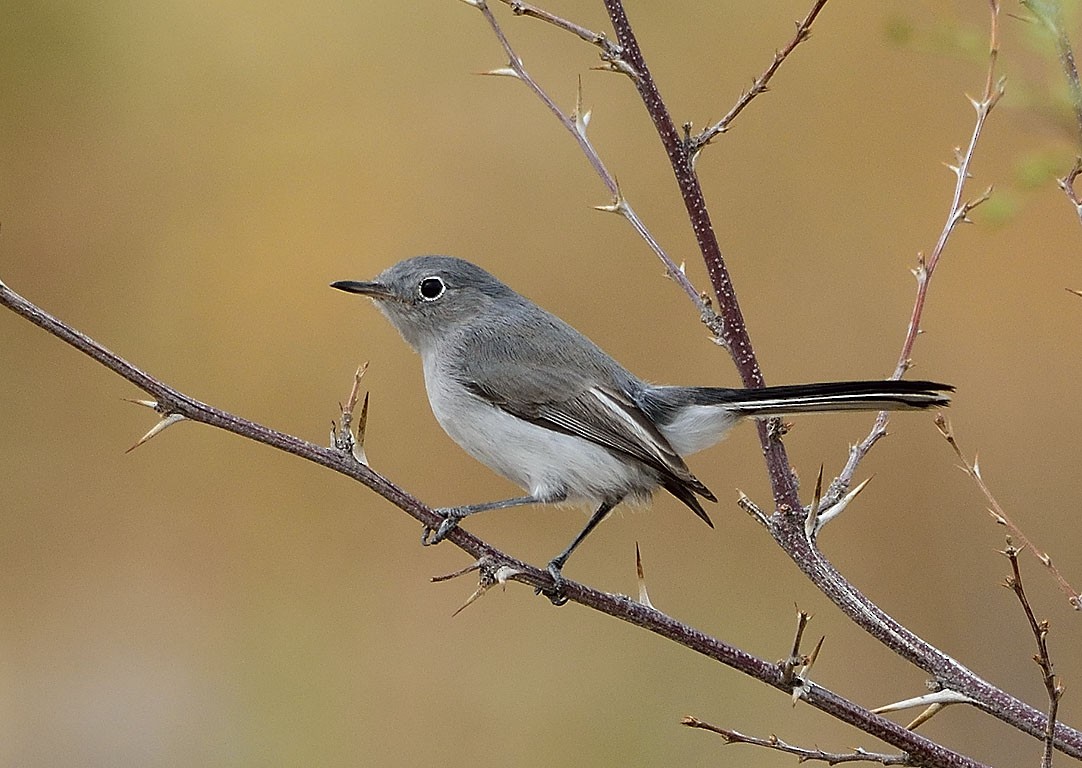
(608,48)
(958,213)
(494,566)
(1001,517)
(803,31)
(1040,634)
(575,124)
(802,753)
(786,525)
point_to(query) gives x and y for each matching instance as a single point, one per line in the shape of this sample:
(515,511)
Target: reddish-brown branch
(925,269)
(172,402)
(803,30)
(786,525)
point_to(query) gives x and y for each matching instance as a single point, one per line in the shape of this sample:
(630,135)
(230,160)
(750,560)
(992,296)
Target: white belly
(548,464)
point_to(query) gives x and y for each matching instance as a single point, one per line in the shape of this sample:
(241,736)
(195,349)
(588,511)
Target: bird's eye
(431,288)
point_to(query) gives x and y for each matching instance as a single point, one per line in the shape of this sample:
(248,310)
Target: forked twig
(1044,661)
(958,214)
(576,124)
(802,753)
(803,30)
(1000,516)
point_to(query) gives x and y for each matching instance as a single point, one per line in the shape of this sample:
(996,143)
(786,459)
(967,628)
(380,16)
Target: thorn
(811,522)
(165,422)
(815,653)
(694,158)
(153,404)
(925,716)
(644,597)
(580,117)
(943,697)
(835,510)
(474,3)
(618,204)
(507,71)
(800,690)
(488,580)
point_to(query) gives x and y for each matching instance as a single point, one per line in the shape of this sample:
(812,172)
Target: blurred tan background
(182,181)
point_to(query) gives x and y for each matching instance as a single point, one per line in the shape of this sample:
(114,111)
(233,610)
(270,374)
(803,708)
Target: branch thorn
(644,597)
(166,421)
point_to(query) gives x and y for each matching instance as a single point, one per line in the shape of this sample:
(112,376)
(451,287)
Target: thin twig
(1000,515)
(599,39)
(575,124)
(958,214)
(1067,185)
(802,753)
(1044,661)
(796,659)
(803,31)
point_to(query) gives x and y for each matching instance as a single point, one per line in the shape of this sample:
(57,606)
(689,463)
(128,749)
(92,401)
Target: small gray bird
(526,394)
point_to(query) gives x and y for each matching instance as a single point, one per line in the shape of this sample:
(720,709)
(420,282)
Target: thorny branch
(786,525)
(576,124)
(802,753)
(1000,516)
(803,30)
(493,564)
(1044,661)
(958,214)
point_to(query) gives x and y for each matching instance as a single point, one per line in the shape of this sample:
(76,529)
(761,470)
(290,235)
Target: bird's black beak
(372,289)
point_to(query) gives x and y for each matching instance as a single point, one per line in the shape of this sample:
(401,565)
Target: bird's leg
(555,568)
(452,516)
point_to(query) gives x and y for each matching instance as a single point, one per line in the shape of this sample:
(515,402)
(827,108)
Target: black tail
(893,395)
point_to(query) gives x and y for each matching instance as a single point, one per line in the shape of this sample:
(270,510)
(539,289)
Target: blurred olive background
(181,181)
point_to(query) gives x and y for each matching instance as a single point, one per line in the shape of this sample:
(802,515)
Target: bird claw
(555,594)
(449,523)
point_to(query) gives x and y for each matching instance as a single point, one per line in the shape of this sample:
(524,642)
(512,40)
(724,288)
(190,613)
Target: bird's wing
(580,396)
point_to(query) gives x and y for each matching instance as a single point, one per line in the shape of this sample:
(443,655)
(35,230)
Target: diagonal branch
(958,214)
(1044,661)
(171,402)
(803,754)
(575,124)
(803,31)
(787,523)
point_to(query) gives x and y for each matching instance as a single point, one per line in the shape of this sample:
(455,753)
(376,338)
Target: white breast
(548,464)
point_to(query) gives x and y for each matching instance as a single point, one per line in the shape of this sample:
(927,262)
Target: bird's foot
(555,593)
(452,516)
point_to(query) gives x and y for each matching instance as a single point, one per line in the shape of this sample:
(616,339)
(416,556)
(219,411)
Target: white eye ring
(431,288)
